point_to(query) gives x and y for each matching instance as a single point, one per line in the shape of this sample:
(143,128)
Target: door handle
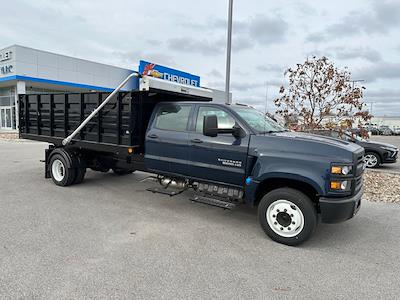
(153,136)
(196,141)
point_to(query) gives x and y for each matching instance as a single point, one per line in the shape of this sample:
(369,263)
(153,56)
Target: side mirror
(238,132)
(210,126)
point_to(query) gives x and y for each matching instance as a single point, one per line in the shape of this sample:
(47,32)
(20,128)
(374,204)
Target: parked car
(385,130)
(376,153)
(396,130)
(372,128)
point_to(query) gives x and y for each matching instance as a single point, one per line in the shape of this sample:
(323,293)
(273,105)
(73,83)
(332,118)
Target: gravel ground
(8,135)
(382,187)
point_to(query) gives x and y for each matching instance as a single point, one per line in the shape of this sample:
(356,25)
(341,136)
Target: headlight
(389,149)
(341,170)
(340,185)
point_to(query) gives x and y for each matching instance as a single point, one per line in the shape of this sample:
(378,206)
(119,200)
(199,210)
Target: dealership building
(25,70)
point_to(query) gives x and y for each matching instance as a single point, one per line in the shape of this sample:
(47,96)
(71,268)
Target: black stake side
(66,115)
(131,118)
(99,116)
(38,115)
(119,121)
(51,111)
(140,116)
(82,115)
(27,114)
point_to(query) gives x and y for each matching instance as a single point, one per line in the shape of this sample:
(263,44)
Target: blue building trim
(56,82)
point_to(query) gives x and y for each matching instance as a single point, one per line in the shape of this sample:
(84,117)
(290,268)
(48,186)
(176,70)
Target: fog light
(340,185)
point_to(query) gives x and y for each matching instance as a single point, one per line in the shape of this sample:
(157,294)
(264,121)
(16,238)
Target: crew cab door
(167,139)
(221,158)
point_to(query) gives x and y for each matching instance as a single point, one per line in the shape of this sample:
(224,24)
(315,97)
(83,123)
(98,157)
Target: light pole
(228,54)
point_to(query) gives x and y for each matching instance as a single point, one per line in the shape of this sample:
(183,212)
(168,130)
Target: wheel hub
(58,170)
(285,218)
(370,160)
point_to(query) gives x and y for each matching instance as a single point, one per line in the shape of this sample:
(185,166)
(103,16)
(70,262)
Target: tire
(287,216)
(60,173)
(122,172)
(80,175)
(372,160)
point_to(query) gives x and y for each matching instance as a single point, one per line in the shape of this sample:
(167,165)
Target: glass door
(6,118)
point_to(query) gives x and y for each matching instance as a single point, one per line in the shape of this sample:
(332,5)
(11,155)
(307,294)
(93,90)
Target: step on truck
(228,154)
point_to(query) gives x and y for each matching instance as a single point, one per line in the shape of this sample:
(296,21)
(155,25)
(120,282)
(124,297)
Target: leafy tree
(320,95)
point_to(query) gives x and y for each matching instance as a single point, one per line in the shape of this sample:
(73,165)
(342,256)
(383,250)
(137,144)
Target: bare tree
(320,95)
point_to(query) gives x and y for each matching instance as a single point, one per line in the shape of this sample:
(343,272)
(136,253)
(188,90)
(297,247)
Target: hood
(375,144)
(298,143)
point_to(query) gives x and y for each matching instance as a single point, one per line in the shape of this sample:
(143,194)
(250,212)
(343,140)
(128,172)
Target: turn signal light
(335,185)
(336,170)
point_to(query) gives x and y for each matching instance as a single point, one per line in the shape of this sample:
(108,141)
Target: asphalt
(393,140)
(110,238)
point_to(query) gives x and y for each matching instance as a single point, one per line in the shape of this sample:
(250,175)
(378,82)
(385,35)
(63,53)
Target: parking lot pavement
(394,140)
(109,238)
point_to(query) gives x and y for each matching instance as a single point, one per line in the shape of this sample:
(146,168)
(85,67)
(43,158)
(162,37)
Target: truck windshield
(258,121)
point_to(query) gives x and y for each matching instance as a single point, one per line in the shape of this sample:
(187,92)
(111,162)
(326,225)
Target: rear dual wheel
(62,174)
(287,216)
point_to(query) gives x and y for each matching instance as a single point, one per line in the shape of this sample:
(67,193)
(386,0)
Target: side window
(225,121)
(172,117)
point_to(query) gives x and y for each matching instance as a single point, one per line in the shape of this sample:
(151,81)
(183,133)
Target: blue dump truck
(228,154)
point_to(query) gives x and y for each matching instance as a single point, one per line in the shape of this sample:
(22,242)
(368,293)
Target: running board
(213,202)
(164,191)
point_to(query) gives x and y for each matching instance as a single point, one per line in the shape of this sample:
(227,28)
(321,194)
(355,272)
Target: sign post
(228,54)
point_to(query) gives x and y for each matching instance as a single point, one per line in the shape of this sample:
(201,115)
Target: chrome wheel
(285,218)
(58,170)
(371,161)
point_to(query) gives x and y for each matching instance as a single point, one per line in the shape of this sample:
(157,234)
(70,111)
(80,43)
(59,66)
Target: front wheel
(372,160)
(287,216)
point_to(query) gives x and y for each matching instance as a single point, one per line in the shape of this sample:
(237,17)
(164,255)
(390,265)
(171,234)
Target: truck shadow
(356,232)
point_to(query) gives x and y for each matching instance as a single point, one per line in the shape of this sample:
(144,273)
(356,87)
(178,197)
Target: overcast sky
(269,36)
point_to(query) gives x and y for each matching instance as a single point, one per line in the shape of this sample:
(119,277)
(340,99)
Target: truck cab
(293,178)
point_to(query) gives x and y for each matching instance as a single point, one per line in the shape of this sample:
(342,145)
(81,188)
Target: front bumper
(390,156)
(335,210)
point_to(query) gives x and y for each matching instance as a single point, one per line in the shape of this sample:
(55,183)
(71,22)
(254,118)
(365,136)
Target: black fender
(73,161)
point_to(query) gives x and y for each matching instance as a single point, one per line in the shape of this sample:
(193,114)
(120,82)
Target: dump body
(121,124)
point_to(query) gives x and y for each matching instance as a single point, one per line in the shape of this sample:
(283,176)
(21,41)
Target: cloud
(215,73)
(380,70)
(267,30)
(381,17)
(360,52)
(259,29)
(271,68)
(192,45)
